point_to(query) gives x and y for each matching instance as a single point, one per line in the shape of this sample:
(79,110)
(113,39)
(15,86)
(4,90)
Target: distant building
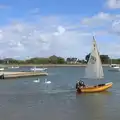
(72,60)
(7,60)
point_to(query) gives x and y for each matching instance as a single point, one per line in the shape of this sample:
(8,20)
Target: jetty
(9,75)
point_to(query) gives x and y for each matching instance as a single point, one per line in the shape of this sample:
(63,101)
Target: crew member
(80,84)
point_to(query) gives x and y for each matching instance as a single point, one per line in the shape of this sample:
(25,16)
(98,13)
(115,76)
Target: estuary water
(23,99)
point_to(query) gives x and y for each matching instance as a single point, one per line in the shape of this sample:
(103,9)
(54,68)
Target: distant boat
(94,70)
(114,67)
(2,69)
(14,67)
(37,69)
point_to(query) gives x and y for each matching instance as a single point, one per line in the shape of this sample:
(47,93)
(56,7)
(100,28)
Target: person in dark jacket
(80,84)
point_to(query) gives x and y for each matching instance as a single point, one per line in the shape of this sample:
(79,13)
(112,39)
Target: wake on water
(51,88)
(54,89)
(58,91)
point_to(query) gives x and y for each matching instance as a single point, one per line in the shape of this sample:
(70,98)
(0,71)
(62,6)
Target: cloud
(51,35)
(35,11)
(113,4)
(104,22)
(100,19)
(107,26)
(116,27)
(2,6)
(29,39)
(60,30)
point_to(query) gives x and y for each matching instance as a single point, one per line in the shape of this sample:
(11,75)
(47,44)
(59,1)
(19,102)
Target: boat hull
(93,89)
(1,69)
(114,69)
(38,69)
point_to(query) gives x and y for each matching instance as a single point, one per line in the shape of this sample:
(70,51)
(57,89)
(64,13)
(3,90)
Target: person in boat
(80,84)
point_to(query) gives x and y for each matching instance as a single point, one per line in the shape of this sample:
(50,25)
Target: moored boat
(114,67)
(37,69)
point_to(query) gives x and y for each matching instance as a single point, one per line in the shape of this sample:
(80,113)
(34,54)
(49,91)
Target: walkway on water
(8,75)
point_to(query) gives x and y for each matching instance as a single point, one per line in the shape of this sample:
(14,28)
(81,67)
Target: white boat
(114,67)
(13,67)
(37,69)
(1,69)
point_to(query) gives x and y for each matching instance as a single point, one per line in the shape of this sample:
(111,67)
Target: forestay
(94,68)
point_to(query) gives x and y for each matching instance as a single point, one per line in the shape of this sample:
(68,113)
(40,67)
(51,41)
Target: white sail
(94,68)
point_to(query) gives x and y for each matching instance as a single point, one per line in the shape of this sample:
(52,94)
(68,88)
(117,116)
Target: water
(22,99)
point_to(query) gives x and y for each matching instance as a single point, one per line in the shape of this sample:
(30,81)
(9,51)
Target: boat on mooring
(93,70)
(114,67)
(37,69)
(2,69)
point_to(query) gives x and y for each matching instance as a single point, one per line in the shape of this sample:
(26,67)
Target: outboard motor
(77,85)
(2,76)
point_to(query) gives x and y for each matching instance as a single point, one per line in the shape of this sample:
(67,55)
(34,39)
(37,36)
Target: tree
(104,58)
(53,59)
(38,61)
(60,60)
(87,57)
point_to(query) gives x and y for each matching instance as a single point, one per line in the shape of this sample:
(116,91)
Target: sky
(41,28)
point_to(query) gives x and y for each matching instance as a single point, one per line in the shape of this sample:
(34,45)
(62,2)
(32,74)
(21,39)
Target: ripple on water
(24,99)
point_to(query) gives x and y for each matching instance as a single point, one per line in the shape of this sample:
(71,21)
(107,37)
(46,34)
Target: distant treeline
(58,60)
(105,59)
(40,60)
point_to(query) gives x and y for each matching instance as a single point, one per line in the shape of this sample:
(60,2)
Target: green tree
(87,57)
(104,58)
(56,60)
(53,59)
(60,60)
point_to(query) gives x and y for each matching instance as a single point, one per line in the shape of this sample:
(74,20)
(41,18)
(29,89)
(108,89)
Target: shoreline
(49,65)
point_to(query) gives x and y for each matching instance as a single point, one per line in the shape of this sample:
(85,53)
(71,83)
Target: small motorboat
(2,69)
(15,67)
(114,67)
(38,69)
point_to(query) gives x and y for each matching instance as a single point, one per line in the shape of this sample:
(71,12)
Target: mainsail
(94,68)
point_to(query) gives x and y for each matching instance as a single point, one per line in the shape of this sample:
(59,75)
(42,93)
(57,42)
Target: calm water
(22,99)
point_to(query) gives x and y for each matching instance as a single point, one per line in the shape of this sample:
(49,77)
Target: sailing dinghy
(94,70)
